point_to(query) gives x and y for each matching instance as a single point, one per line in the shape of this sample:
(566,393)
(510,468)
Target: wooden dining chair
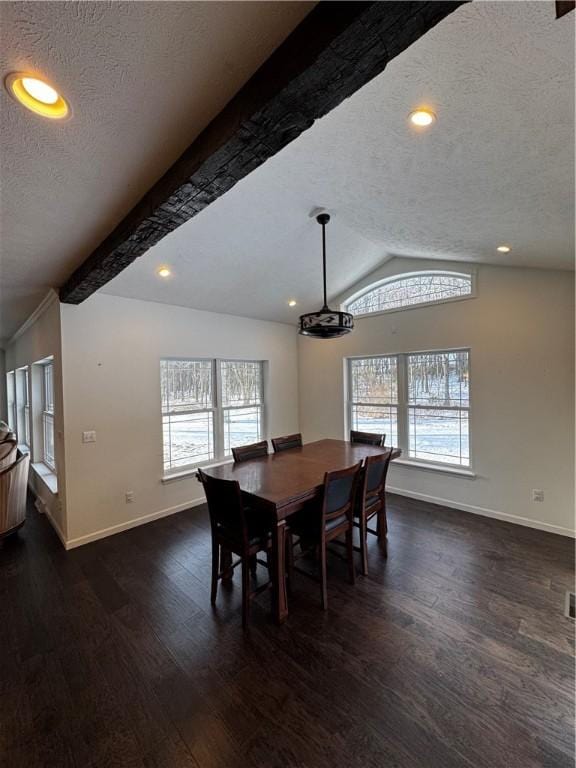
(367,438)
(371,501)
(287,442)
(247,452)
(333,517)
(233,531)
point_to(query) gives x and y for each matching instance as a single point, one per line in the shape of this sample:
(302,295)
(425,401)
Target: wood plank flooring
(453,652)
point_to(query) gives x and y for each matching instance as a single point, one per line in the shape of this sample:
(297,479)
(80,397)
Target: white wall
(111,360)
(39,338)
(520,329)
(3,404)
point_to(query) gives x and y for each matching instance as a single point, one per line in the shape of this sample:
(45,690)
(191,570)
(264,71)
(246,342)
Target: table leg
(278,573)
(226,564)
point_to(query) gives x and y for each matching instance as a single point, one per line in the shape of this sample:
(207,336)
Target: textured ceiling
(496,168)
(143,79)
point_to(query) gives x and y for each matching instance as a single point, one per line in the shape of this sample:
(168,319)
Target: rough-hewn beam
(564,6)
(336,49)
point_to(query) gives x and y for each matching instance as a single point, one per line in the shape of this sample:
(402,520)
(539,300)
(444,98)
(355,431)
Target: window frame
(47,414)
(23,411)
(11,405)
(471,274)
(404,407)
(217,409)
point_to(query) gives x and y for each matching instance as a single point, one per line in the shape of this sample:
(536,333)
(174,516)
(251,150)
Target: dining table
(281,484)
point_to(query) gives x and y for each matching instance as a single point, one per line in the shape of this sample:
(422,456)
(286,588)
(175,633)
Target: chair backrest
(287,442)
(374,477)
(8,450)
(367,438)
(339,492)
(224,505)
(253,451)
(13,488)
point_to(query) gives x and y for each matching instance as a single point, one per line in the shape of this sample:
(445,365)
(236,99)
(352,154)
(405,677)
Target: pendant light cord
(324,262)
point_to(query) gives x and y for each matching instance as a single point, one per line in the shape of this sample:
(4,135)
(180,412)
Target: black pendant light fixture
(328,323)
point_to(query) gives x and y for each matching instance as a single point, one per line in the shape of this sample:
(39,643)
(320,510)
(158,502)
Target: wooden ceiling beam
(332,53)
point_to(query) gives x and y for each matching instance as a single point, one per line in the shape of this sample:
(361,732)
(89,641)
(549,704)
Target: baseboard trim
(497,515)
(135,522)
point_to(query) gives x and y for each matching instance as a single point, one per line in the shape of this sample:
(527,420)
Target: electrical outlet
(537,494)
(129,497)
(89,436)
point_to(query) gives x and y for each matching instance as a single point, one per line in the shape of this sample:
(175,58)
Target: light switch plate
(89,437)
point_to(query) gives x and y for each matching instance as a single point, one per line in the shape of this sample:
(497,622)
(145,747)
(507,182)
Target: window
(23,406)
(209,407)
(374,396)
(48,416)
(11,400)
(420,401)
(409,290)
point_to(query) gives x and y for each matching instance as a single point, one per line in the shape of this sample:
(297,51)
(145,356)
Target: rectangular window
(48,416)
(420,401)
(11,400)
(209,407)
(23,406)
(374,396)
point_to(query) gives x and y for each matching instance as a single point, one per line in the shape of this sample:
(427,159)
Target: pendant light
(328,323)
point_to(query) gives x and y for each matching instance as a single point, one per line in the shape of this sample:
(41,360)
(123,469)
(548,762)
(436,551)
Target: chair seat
(257,535)
(371,504)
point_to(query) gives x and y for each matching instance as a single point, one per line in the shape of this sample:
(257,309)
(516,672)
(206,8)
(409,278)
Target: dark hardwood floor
(453,652)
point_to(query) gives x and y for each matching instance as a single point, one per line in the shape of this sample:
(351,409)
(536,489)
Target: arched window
(408,290)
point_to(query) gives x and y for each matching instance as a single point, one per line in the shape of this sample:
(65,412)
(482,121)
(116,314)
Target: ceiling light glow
(422,118)
(292,303)
(37,95)
(40,90)
(164,272)
(504,249)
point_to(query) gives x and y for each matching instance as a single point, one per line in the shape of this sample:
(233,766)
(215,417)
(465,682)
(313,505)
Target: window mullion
(218,411)
(402,368)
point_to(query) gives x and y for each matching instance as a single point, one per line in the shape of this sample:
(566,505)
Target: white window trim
(46,413)
(420,305)
(217,410)
(402,407)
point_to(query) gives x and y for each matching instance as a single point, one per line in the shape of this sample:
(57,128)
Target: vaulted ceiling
(497,167)
(143,79)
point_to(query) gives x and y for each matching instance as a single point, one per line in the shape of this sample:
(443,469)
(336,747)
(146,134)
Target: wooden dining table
(281,484)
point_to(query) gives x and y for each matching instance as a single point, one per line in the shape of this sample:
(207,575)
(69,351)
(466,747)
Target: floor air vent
(570,606)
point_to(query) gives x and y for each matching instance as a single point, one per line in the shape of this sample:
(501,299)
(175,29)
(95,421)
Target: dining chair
(371,501)
(332,517)
(233,531)
(367,438)
(287,442)
(247,452)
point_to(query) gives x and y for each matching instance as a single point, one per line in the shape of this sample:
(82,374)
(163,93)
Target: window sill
(445,469)
(191,472)
(47,476)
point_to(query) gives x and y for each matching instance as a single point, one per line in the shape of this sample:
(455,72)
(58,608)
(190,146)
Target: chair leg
(350,548)
(363,529)
(323,584)
(245,591)
(215,568)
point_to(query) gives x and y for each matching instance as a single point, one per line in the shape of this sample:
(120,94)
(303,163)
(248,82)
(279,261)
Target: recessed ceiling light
(504,249)
(292,303)
(163,272)
(37,95)
(422,118)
